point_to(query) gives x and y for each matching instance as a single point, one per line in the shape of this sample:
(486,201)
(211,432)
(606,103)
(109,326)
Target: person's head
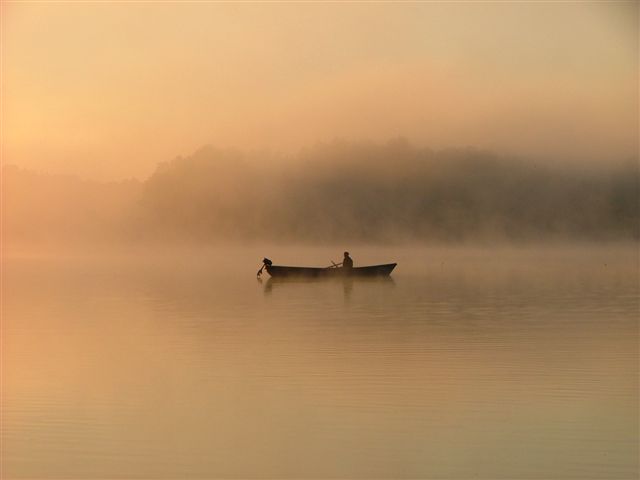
(346,254)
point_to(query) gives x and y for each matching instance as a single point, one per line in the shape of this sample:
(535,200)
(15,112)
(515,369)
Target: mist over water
(136,340)
(335,192)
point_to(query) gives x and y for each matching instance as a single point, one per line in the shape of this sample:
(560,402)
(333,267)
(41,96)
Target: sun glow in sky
(109,90)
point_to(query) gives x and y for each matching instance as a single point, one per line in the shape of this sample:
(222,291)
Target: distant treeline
(336,192)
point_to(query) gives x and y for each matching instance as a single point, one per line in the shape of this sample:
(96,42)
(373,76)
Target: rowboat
(368,271)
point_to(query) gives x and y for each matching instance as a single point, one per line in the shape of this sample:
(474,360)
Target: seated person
(347,262)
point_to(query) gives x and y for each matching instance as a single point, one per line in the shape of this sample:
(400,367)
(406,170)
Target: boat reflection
(346,282)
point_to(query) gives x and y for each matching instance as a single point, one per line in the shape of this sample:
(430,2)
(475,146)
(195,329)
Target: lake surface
(468,363)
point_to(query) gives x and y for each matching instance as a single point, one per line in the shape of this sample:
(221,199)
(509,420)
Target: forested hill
(372,192)
(336,192)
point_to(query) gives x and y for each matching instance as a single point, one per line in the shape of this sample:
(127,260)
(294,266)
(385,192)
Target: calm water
(469,363)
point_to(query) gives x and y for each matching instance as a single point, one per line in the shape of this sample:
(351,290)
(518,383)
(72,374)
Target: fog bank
(335,192)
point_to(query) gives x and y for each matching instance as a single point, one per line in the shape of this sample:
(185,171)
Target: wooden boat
(368,271)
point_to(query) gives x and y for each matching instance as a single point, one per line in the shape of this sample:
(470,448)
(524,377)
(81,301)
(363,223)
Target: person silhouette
(347,262)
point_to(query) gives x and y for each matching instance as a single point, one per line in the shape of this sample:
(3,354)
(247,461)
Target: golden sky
(107,90)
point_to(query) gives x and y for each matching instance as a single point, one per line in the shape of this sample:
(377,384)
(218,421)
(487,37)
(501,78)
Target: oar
(334,265)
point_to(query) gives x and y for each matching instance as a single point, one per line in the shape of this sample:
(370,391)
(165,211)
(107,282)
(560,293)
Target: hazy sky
(108,90)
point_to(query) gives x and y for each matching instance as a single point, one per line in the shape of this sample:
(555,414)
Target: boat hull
(279,271)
